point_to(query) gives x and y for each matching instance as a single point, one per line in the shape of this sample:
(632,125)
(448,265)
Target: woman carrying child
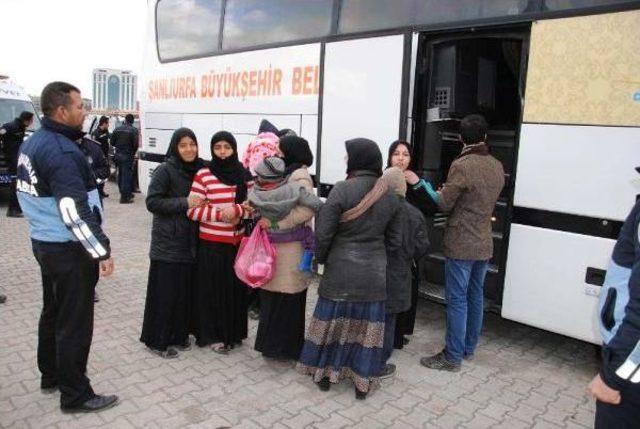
(283,300)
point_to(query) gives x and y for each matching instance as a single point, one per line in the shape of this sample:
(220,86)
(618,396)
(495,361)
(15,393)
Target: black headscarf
(363,154)
(393,148)
(191,168)
(267,127)
(297,153)
(230,171)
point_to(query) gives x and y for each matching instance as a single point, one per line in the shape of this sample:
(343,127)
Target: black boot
(360,395)
(324,384)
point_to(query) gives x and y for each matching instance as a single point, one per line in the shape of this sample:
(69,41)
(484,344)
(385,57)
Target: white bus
(558,80)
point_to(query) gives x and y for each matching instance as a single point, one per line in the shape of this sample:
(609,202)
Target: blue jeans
(464,292)
(124,161)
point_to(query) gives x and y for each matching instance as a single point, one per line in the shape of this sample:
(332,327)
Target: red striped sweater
(219,196)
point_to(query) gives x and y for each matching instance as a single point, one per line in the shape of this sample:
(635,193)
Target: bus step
(432,291)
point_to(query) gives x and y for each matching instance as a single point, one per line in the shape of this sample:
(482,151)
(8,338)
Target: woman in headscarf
(400,156)
(345,337)
(173,248)
(283,300)
(220,298)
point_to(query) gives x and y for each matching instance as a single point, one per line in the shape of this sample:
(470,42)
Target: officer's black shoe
(3,299)
(97,403)
(126,200)
(14,213)
(104,195)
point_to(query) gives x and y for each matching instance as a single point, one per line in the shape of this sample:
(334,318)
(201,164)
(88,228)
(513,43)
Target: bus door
(457,75)
(361,97)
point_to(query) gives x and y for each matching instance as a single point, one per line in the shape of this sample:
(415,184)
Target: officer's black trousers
(124,161)
(14,205)
(69,276)
(626,415)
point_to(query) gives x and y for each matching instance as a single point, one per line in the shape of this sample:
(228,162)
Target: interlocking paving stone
(521,377)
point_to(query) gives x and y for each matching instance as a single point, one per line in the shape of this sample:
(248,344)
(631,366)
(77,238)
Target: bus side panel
(581,170)
(204,126)
(362,89)
(576,156)
(545,280)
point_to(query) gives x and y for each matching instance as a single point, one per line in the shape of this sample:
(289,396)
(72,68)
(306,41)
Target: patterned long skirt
(345,340)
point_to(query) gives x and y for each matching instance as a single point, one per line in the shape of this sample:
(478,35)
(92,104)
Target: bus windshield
(11,109)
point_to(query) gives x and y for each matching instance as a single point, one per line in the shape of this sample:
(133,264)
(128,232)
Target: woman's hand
(228,215)
(264,223)
(411,177)
(248,208)
(195,201)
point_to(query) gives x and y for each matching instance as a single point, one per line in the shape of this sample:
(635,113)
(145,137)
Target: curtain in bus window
(260,22)
(365,15)
(187,28)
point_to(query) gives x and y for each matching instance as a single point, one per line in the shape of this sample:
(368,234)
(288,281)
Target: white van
(13,101)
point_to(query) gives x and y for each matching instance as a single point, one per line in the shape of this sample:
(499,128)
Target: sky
(46,40)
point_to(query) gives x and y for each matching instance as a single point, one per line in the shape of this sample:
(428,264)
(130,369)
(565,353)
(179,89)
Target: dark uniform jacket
(102,137)
(125,139)
(98,163)
(620,310)
(57,190)
(11,135)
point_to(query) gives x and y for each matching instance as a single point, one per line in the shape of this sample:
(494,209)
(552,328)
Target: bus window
(578,4)
(188,28)
(366,15)
(258,22)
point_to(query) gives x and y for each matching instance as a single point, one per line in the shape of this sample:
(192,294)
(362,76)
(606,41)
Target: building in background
(114,91)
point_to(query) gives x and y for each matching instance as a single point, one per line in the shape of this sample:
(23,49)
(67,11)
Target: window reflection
(260,22)
(187,27)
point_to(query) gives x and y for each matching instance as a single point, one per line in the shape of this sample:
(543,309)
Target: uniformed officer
(58,194)
(11,136)
(125,140)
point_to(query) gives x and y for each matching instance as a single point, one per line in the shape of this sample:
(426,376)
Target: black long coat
(174,237)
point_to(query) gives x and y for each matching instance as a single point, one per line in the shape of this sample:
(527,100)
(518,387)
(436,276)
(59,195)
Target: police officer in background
(125,140)
(11,136)
(57,191)
(101,135)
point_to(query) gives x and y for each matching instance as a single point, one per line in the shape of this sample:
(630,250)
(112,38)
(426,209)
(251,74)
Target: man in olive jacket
(473,185)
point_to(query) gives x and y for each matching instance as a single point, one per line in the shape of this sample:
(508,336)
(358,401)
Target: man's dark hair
(54,95)
(26,116)
(473,129)
(103,120)
(129,119)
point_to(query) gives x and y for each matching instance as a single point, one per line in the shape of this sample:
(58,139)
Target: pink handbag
(255,262)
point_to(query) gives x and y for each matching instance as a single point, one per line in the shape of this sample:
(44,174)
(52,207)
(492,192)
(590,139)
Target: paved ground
(521,377)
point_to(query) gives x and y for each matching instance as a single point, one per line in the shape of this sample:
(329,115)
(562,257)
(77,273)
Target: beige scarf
(392,178)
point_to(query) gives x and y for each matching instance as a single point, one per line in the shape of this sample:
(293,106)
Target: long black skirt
(406,321)
(281,328)
(220,299)
(168,304)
